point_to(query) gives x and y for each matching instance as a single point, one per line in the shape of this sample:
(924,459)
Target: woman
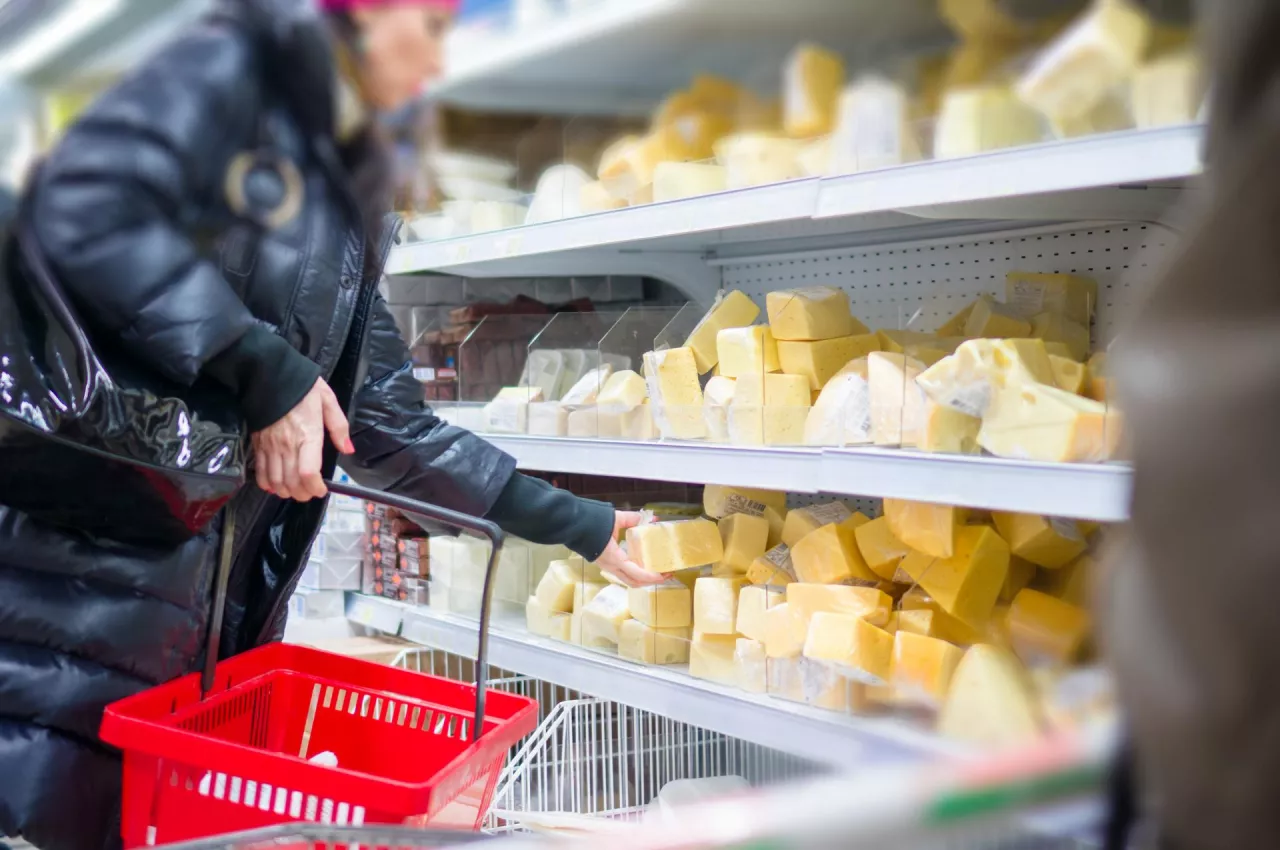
(218,214)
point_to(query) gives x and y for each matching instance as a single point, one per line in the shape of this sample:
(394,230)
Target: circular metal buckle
(244,164)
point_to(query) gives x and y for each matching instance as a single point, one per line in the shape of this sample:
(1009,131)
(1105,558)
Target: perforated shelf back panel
(889,283)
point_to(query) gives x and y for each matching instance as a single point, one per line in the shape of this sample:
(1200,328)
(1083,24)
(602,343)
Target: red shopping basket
(228,750)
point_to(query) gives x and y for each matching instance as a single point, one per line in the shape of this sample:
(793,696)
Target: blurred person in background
(1188,607)
(220,213)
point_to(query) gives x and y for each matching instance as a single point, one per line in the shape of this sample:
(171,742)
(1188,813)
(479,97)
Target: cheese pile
(975,616)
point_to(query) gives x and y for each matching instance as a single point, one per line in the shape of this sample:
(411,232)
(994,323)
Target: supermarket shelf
(1133,176)
(616,57)
(1084,491)
(810,733)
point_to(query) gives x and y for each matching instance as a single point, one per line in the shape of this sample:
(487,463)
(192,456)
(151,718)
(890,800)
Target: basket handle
(484,528)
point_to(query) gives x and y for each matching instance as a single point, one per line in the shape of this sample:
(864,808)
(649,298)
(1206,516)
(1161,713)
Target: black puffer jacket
(131,209)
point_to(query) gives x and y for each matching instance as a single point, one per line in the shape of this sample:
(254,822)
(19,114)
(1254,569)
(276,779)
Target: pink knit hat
(343,5)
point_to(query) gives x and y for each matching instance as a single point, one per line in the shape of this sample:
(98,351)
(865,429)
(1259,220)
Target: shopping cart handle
(444,516)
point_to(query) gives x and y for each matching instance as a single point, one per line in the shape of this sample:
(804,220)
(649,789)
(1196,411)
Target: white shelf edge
(820,736)
(1082,491)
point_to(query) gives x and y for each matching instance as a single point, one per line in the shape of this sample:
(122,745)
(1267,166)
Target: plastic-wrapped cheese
(1088,61)
(664,606)
(769,410)
(852,644)
(753,602)
(802,521)
(605,614)
(548,419)
(967,585)
(638,424)
(624,390)
(759,159)
(991,700)
(716,397)
(745,538)
(812,313)
(773,567)
(1033,421)
(880,548)
(1168,90)
(992,320)
(545,622)
(715,605)
(746,351)
(897,401)
(1069,295)
(842,414)
(948,431)
(1045,541)
(1045,630)
(732,309)
(984,118)
(1054,327)
(924,526)
(718,501)
(820,360)
(555,590)
(751,665)
(812,80)
(586,390)
(711,658)
(667,547)
(785,630)
(923,667)
(508,413)
(675,393)
(967,380)
(869,603)
(674,181)
(1068,374)
(831,555)
(653,646)
(874,128)
(558,194)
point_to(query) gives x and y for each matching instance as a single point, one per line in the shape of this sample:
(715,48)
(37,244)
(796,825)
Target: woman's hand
(290,452)
(616,563)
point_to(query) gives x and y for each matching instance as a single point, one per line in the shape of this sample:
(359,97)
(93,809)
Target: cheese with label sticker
(948,431)
(745,538)
(923,667)
(1031,421)
(555,589)
(663,606)
(751,664)
(746,351)
(716,397)
(841,415)
(897,401)
(984,118)
(548,419)
(769,410)
(820,360)
(818,312)
(675,393)
(869,603)
(829,555)
(924,526)
(967,380)
(673,181)
(812,79)
(732,309)
(1067,374)
(785,630)
(802,521)
(624,390)
(711,658)
(1054,327)
(715,605)
(991,701)
(1090,59)
(850,643)
(881,548)
(1069,295)
(966,585)
(604,615)
(1046,630)
(753,602)
(1044,541)
(718,501)
(992,320)
(773,567)
(653,646)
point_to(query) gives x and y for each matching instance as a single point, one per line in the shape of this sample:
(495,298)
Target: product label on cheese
(834,512)
(1065,528)
(780,557)
(1025,297)
(504,416)
(736,503)
(971,399)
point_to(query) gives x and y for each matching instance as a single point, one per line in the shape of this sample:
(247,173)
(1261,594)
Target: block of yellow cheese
(746,351)
(1046,630)
(899,341)
(753,602)
(624,390)
(991,700)
(653,646)
(1072,584)
(984,118)
(584,592)
(769,410)
(668,547)
(852,644)
(718,501)
(841,415)
(545,622)
(604,615)
(715,605)
(675,393)
(716,397)
(663,606)
(966,380)
(1168,90)
(1021,573)
(897,401)
(773,567)
(924,526)
(881,548)
(751,665)
(812,79)
(711,657)
(802,521)
(732,309)
(1033,421)
(556,587)
(757,159)
(829,555)
(820,360)
(1044,541)
(628,167)
(673,181)
(637,424)
(1068,374)
(1054,327)
(1088,60)
(869,603)
(966,585)
(785,630)
(744,538)
(992,320)
(874,127)
(1069,295)
(956,324)
(919,622)
(945,430)
(813,313)
(923,667)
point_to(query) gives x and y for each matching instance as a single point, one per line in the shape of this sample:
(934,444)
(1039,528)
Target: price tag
(510,246)
(459,253)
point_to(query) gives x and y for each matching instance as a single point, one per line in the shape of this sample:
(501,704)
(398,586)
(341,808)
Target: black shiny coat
(130,207)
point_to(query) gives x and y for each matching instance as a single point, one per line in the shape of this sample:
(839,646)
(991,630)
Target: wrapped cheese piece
(1045,630)
(664,606)
(967,585)
(675,393)
(967,380)
(897,401)
(558,194)
(820,360)
(653,646)
(993,320)
(623,391)
(927,527)
(1044,541)
(991,700)
(555,589)
(508,413)
(746,351)
(1069,295)
(716,397)
(945,430)
(745,538)
(711,657)
(984,118)
(759,159)
(769,410)
(605,614)
(812,80)
(882,550)
(874,129)
(868,603)
(1168,90)
(587,389)
(1032,421)
(1068,374)
(812,313)
(773,567)
(548,419)
(853,645)
(732,309)
(842,414)
(923,667)
(715,605)
(753,602)
(668,547)
(751,665)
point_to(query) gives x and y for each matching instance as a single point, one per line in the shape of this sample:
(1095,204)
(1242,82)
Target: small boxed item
(317,604)
(331,573)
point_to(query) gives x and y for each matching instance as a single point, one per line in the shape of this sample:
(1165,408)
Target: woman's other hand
(290,452)
(615,562)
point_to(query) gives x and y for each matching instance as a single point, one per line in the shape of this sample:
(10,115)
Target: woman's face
(402,50)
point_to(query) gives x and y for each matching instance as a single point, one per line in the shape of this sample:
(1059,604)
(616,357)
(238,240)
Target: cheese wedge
(923,667)
(918,622)
(624,390)
(984,118)
(753,602)
(820,360)
(966,585)
(841,415)
(831,555)
(956,324)
(785,631)
(773,567)
(732,309)
(556,587)
(924,526)
(675,393)
(1072,584)
(1045,630)
(1068,374)
(668,547)
(745,538)
(991,701)
(1021,573)
(868,603)
(718,501)
(604,616)
(881,548)
(1044,541)
(897,402)
(852,645)
(1054,327)
(813,313)
(802,521)
(653,646)
(966,380)
(1069,295)
(1032,421)
(813,77)
(746,351)
(992,320)
(948,431)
